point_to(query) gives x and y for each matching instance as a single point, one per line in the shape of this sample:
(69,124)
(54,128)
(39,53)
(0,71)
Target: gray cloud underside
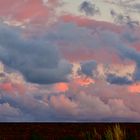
(113,79)
(39,61)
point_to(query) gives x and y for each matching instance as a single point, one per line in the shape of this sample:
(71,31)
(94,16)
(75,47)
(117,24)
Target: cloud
(39,61)
(86,103)
(117,48)
(95,102)
(113,79)
(134,88)
(38,82)
(136,6)
(45,1)
(32,12)
(88,67)
(61,87)
(124,19)
(63,105)
(84,106)
(88,8)
(10,113)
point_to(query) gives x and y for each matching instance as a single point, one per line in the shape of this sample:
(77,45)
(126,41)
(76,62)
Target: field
(69,131)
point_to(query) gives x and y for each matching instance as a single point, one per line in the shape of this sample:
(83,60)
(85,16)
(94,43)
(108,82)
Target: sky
(69,60)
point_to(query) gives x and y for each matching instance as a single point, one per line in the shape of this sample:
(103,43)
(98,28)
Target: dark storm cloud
(39,61)
(88,8)
(88,67)
(114,79)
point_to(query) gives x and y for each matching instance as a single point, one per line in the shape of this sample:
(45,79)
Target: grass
(108,134)
(92,135)
(114,133)
(119,133)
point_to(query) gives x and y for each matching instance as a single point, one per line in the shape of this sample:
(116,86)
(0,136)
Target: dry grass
(119,133)
(115,133)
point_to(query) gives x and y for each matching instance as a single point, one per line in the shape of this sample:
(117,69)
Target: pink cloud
(7,87)
(81,98)
(77,55)
(32,11)
(134,88)
(61,87)
(63,104)
(89,23)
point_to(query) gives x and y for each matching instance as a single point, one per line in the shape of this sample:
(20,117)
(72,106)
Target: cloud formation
(81,68)
(35,59)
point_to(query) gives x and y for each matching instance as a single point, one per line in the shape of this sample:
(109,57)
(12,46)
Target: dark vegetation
(70,131)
